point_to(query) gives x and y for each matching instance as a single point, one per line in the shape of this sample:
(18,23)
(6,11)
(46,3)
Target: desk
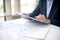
(22,29)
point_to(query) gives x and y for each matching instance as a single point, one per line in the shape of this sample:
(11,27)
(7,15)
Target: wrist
(49,22)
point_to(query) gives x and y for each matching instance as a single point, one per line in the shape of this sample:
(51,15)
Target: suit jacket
(54,15)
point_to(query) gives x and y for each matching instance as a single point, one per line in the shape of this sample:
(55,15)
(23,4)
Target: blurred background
(9,9)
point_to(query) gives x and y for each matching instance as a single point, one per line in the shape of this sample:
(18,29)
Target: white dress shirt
(49,5)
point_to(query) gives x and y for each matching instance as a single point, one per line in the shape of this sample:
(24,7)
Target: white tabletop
(22,29)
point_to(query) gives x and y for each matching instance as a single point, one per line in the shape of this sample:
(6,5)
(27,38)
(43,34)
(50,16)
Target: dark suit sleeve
(36,11)
(56,19)
(55,22)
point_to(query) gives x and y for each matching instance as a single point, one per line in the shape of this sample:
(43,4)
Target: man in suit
(47,11)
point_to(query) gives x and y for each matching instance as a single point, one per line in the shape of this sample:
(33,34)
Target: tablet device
(34,20)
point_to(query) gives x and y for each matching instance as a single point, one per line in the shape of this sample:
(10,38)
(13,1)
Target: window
(16,6)
(12,5)
(27,6)
(1,11)
(1,6)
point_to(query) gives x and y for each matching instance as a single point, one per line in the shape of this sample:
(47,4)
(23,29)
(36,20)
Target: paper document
(27,28)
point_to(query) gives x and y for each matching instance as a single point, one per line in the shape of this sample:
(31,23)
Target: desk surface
(22,29)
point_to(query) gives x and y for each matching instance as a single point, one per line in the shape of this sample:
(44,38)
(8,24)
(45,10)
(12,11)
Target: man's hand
(42,18)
